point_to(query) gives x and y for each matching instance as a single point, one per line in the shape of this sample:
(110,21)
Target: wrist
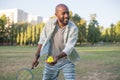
(57,57)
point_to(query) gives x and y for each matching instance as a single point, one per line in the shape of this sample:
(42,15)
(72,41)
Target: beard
(64,21)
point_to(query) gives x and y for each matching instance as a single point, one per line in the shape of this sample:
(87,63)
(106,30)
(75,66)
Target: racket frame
(27,69)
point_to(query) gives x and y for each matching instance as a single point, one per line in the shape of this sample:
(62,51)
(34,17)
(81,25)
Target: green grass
(100,62)
(97,62)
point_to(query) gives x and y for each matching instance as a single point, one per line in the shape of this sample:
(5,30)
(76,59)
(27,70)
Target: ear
(55,14)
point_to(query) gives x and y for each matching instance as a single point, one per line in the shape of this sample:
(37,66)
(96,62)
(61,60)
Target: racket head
(24,74)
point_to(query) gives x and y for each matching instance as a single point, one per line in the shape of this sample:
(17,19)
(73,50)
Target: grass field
(97,62)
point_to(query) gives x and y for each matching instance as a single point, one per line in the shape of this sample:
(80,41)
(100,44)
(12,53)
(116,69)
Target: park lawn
(96,63)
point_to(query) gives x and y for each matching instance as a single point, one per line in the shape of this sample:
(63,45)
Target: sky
(107,11)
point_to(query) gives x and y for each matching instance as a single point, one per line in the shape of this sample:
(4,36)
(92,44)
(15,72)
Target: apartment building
(33,19)
(18,15)
(14,15)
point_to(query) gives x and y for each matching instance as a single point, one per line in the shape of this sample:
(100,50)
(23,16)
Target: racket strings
(25,75)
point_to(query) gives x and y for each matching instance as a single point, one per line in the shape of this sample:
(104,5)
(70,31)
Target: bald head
(60,6)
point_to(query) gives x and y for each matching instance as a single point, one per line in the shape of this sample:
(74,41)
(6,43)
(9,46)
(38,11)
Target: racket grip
(36,64)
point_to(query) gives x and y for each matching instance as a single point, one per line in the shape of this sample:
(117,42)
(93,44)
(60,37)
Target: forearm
(57,57)
(61,55)
(37,54)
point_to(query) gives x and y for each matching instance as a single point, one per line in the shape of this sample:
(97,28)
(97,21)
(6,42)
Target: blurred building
(15,15)
(33,19)
(45,20)
(18,15)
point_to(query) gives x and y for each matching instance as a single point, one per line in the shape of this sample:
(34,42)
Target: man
(58,39)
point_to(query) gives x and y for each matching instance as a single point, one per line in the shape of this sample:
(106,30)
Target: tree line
(28,34)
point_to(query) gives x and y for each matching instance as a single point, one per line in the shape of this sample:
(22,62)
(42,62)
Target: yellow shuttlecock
(50,59)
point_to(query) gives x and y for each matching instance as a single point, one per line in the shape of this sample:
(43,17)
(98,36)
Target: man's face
(62,14)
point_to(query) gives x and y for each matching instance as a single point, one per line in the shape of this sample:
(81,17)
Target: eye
(65,13)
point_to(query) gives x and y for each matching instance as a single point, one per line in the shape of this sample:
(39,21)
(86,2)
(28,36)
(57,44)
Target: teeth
(66,19)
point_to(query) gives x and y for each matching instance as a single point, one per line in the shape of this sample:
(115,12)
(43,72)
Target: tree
(21,33)
(82,31)
(106,36)
(25,37)
(13,34)
(76,19)
(3,20)
(93,30)
(18,30)
(33,35)
(117,30)
(112,33)
(38,30)
(29,34)
(2,28)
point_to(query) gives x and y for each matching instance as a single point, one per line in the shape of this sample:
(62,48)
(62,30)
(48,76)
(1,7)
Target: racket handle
(36,64)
